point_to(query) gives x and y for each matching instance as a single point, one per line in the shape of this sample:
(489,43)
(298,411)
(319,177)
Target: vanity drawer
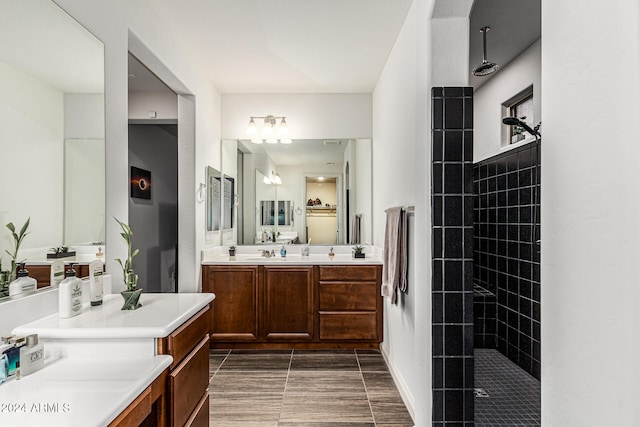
(188,383)
(200,417)
(349,272)
(180,342)
(348,326)
(336,296)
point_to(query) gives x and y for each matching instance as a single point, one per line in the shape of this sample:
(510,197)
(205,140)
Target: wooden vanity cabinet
(350,303)
(188,378)
(288,306)
(295,306)
(149,408)
(234,316)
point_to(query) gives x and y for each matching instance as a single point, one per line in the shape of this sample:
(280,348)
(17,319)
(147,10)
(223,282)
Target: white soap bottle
(57,272)
(95,282)
(70,295)
(23,283)
(31,355)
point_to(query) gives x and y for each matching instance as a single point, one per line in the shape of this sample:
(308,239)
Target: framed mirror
(213,203)
(347,162)
(51,130)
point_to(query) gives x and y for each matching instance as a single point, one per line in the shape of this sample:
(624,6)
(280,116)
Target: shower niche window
(522,107)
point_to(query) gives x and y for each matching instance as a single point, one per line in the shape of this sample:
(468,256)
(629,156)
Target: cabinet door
(234,313)
(289,303)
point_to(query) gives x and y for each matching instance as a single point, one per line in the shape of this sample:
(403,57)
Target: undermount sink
(271,259)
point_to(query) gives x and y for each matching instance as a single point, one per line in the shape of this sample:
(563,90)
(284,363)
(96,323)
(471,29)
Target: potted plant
(232,250)
(132,293)
(358,251)
(17,240)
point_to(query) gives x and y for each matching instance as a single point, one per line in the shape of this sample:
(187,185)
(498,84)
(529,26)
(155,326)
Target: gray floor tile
(256,362)
(325,409)
(338,362)
(303,388)
(325,383)
(389,410)
(233,381)
(245,408)
(371,362)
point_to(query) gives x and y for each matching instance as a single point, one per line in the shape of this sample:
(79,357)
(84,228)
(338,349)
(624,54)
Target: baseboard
(405,393)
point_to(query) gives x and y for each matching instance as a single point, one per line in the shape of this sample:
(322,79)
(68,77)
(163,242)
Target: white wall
(164,104)
(309,116)
(31,134)
(522,72)
(111,23)
(396,179)
(590,222)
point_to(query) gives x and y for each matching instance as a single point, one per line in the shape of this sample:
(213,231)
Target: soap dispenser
(23,283)
(283,252)
(70,295)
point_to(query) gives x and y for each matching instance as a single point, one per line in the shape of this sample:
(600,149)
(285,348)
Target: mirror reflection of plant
(17,240)
(59,250)
(130,278)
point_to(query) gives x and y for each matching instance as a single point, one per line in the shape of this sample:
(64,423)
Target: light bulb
(251,129)
(271,141)
(285,141)
(283,129)
(256,141)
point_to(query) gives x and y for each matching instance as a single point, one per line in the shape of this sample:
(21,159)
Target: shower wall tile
(506,255)
(452,204)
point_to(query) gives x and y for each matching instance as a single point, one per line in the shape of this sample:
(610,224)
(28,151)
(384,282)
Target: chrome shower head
(486,67)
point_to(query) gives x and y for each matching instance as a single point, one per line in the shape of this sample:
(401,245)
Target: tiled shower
(486,261)
(506,255)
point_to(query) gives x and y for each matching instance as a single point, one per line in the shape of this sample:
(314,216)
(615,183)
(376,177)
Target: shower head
(486,67)
(514,121)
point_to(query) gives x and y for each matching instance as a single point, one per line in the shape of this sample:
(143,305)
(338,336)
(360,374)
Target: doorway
(322,210)
(153,154)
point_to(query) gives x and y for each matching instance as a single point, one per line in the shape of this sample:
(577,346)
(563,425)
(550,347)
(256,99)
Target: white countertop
(77,392)
(159,315)
(290,259)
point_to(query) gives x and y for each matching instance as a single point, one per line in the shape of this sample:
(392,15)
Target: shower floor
(511,395)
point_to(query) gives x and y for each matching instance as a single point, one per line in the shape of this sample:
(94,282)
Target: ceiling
(288,46)
(328,46)
(515,25)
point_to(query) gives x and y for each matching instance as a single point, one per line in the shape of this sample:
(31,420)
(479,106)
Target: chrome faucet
(266,253)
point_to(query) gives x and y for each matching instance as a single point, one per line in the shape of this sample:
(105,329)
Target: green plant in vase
(17,241)
(131,294)
(358,251)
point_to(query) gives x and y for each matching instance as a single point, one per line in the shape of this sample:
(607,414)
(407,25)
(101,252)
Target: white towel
(394,267)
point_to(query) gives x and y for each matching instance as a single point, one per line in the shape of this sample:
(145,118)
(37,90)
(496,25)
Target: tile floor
(311,388)
(513,395)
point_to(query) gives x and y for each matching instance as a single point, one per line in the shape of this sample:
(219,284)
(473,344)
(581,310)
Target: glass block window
(522,108)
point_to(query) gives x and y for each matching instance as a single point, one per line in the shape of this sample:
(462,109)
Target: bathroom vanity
(119,368)
(305,302)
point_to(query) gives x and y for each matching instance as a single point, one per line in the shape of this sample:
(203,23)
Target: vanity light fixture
(270,128)
(275,179)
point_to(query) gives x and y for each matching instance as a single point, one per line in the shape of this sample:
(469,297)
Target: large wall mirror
(310,190)
(51,130)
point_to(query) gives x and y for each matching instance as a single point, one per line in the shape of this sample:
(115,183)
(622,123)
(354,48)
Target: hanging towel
(394,267)
(355,229)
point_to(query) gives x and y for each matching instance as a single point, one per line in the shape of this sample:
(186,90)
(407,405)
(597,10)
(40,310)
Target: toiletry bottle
(95,282)
(70,295)
(13,353)
(100,254)
(23,283)
(283,252)
(57,273)
(4,362)
(31,355)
